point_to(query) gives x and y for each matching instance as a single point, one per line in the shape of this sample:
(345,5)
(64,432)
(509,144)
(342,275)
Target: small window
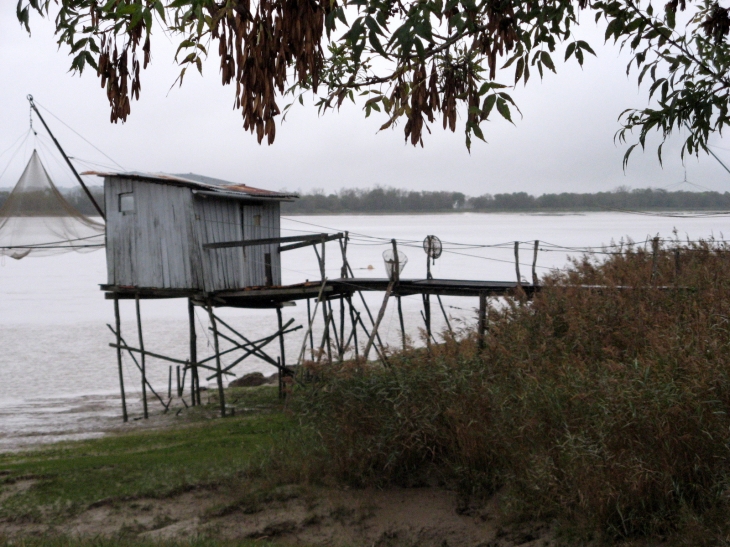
(257,220)
(126,203)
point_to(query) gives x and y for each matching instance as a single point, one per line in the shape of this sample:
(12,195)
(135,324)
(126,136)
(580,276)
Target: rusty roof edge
(176,179)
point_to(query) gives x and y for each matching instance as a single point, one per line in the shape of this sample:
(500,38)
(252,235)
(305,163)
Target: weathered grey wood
(426,314)
(194,378)
(123,345)
(282,353)
(300,359)
(534,262)
(314,241)
(381,313)
(482,325)
(151,354)
(517,263)
(219,372)
(144,366)
(266,241)
(119,359)
(654,257)
(402,326)
(446,316)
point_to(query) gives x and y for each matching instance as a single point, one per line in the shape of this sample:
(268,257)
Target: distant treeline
(393,200)
(75,196)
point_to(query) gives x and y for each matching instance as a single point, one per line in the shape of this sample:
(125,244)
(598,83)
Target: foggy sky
(564,142)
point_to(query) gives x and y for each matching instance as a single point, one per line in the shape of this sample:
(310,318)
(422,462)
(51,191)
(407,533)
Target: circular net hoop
(432,246)
(389,259)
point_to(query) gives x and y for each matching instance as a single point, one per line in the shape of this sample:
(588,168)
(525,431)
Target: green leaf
(488,105)
(547,61)
(569,50)
(503,109)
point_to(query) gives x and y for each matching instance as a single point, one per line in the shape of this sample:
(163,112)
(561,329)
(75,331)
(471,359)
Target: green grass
(70,477)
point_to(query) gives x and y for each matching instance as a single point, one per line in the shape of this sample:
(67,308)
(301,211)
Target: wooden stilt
(219,373)
(311,336)
(654,257)
(381,313)
(123,345)
(169,382)
(367,308)
(402,326)
(354,327)
(446,317)
(517,263)
(338,343)
(179,387)
(194,378)
(308,334)
(282,358)
(142,358)
(326,318)
(427,318)
(119,357)
(677,263)
(534,262)
(482,326)
(341,356)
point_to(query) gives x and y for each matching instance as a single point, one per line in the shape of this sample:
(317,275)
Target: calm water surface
(58,376)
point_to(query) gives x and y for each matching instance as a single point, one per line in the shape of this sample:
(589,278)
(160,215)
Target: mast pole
(65,157)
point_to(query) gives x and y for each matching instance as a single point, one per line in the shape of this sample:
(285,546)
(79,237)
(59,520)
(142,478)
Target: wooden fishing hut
(219,244)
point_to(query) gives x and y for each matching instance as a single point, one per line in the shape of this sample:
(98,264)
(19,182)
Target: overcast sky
(564,142)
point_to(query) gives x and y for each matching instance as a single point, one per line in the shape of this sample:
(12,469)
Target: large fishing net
(37,220)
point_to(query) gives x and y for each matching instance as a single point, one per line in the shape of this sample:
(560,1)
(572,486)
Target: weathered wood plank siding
(151,246)
(160,243)
(219,220)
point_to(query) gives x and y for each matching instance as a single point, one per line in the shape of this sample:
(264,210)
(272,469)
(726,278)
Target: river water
(58,375)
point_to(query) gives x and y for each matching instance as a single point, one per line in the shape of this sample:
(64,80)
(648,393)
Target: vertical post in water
(381,313)
(282,361)
(178,387)
(534,263)
(119,356)
(402,326)
(194,378)
(326,338)
(654,257)
(482,327)
(169,383)
(219,373)
(677,264)
(353,319)
(142,357)
(517,263)
(311,336)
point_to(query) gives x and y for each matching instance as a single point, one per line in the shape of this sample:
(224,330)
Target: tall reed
(603,400)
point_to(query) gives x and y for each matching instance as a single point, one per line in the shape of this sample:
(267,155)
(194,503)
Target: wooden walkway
(273,297)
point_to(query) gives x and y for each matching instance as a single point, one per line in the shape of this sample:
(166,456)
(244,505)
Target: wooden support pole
(381,313)
(534,262)
(353,320)
(677,263)
(446,317)
(338,342)
(142,353)
(169,383)
(300,359)
(311,336)
(426,314)
(326,316)
(517,263)
(282,358)
(194,378)
(179,387)
(122,346)
(367,308)
(402,326)
(654,257)
(119,357)
(341,356)
(482,326)
(219,373)
(327,319)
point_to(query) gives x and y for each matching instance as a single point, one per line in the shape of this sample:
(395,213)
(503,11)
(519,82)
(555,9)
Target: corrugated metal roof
(199,182)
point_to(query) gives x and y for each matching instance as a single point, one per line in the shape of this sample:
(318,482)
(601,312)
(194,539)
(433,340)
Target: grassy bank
(198,452)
